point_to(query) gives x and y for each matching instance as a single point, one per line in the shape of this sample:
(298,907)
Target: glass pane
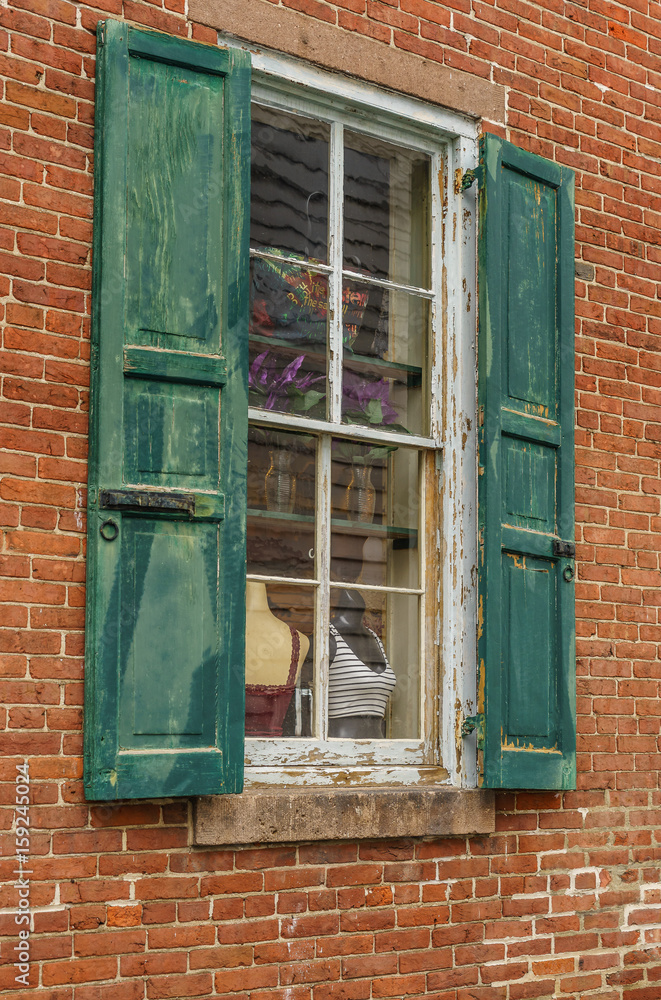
(279,660)
(385,377)
(387,210)
(288,335)
(288,303)
(289,184)
(375,514)
(281,503)
(374,674)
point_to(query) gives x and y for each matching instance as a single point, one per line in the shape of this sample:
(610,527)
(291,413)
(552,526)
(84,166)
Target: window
(344,443)
(332,355)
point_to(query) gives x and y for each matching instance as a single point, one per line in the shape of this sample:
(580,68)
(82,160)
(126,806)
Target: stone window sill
(270,816)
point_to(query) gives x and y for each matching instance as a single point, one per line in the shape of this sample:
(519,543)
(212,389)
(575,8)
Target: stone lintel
(327,45)
(269,816)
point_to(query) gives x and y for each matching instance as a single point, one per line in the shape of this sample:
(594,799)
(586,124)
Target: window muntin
(355,366)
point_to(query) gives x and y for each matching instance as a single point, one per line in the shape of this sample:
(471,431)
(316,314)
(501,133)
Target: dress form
(348,620)
(268,640)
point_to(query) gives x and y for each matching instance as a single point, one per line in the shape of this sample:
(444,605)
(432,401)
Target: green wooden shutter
(526,476)
(164,683)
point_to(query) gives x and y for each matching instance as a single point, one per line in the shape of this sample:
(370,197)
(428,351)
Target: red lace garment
(267,704)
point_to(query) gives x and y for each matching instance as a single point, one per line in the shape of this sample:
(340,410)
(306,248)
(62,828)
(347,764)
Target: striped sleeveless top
(354,689)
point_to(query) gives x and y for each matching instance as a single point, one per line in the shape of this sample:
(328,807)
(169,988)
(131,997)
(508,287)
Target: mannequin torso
(349,623)
(268,641)
(354,647)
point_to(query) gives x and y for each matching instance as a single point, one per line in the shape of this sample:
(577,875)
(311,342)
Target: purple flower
(367,401)
(280,389)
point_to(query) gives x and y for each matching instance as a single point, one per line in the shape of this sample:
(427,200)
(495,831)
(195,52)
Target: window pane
(279,661)
(281,503)
(289,179)
(374,674)
(375,514)
(386,370)
(387,210)
(288,335)
(288,303)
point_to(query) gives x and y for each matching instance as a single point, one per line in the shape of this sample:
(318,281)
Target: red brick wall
(565,900)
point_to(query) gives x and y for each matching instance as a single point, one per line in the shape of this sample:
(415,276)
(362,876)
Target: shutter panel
(168,425)
(526,479)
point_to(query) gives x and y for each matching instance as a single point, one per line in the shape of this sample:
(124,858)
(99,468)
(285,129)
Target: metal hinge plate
(565,550)
(474,723)
(463,179)
(153,500)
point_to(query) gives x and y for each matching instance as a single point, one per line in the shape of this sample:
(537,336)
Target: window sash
(447,629)
(298,751)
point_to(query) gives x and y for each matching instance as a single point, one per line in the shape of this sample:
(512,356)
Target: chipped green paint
(165,620)
(175,366)
(526,485)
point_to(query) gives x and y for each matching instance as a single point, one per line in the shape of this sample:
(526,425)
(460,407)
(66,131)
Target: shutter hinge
(164,501)
(463,179)
(566,550)
(472,723)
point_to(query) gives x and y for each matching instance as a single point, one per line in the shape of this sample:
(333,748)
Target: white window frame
(448,683)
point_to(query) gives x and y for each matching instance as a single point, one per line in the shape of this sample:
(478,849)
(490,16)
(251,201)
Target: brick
(194,910)
(124,916)
(52,248)
(78,971)
(165,888)
(181,937)
(228,981)
(234,883)
(310,972)
(109,943)
(399,986)
(126,990)
(286,879)
(225,958)
(357,990)
(356,874)
(19,93)
(238,932)
(48,55)
(158,964)
(191,985)
(346,944)
(304,926)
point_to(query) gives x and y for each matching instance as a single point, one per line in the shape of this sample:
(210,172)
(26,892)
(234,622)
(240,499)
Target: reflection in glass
(385,371)
(288,302)
(375,514)
(289,305)
(387,210)
(289,184)
(279,627)
(281,498)
(288,333)
(373,688)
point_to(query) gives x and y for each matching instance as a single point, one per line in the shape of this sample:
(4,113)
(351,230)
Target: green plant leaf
(374,411)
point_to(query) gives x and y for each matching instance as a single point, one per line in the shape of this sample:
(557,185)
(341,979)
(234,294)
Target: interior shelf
(362,365)
(340,524)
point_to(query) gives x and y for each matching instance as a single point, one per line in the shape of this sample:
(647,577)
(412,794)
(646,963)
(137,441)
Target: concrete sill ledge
(268,816)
